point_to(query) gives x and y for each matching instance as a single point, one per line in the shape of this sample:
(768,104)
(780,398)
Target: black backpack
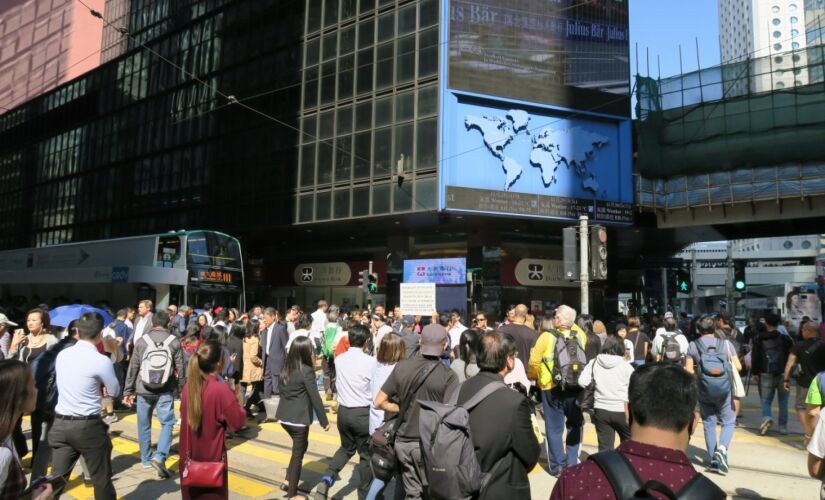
(773,360)
(626,483)
(671,350)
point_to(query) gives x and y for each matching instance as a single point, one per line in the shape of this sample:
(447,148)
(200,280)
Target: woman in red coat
(208,408)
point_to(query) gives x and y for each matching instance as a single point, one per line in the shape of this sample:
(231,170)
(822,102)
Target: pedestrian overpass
(736,147)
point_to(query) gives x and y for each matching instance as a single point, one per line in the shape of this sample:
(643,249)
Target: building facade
(330,133)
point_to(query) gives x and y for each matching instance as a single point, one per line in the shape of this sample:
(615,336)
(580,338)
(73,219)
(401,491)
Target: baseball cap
(432,340)
(668,315)
(4,320)
(407,320)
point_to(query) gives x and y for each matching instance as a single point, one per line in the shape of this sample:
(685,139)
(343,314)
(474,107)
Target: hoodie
(612,374)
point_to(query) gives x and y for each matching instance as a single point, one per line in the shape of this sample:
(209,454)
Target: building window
(777,46)
(792,7)
(795,45)
(794,19)
(775,9)
(777,34)
(794,33)
(776,21)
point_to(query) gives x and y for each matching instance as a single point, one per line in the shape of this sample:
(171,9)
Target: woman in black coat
(299,399)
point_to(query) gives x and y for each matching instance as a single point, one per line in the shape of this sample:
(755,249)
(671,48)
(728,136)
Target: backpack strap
(620,474)
(415,386)
(482,394)
(701,488)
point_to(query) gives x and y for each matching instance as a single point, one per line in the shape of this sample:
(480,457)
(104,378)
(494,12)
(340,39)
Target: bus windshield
(213,250)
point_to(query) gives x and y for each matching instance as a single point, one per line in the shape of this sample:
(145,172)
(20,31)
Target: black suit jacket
(299,398)
(502,430)
(275,358)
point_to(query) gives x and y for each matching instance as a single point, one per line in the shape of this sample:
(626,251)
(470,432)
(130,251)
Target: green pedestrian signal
(683,287)
(740,285)
(683,283)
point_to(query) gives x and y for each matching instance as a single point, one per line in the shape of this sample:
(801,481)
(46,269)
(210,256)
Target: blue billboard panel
(512,158)
(438,271)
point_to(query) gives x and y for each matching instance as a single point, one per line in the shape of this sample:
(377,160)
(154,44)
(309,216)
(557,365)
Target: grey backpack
(157,363)
(450,463)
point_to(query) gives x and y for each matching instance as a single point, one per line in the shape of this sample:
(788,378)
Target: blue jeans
(165,405)
(718,412)
(559,406)
(769,383)
(377,489)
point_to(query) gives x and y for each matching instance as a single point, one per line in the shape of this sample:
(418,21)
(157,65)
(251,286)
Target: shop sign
(322,274)
(541,273)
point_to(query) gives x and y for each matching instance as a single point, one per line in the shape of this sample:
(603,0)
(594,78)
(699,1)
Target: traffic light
(571,253)
(598,253)
(372,283)
(364,281)
(740,284)
(683,282)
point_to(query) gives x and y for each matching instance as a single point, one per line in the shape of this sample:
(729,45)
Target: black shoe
(159,466)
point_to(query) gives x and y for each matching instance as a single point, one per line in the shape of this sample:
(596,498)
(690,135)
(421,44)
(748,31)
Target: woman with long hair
(208,409)
(299,400)
(203,326)
(17,398)
(252,376)
(465,366)
(234,343)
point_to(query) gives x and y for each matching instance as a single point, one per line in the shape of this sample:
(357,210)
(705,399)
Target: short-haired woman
(208,409)
(612,375)
(299,400)
(391,351)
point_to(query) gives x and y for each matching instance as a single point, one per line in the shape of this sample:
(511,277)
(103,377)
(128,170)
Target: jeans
(718,412)
(166,415)
(768,383)
(300,443)
(559,407)
(378,486)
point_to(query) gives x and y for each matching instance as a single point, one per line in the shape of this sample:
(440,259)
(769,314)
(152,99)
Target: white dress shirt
(379,336)
(269,338)
(455,335)
(319,323)
(354,370)
(80,371)
(139,328)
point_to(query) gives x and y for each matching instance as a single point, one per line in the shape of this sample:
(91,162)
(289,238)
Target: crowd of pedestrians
(393,379)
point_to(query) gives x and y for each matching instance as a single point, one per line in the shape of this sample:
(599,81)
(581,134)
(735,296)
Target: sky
(660,26)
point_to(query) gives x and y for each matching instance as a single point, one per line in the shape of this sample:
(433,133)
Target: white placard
(417,299)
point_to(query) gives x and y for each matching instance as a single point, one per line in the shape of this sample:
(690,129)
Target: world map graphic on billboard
(553,151)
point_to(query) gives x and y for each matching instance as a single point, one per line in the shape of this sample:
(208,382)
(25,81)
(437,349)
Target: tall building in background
(114,42)
(750,29)
(44,43)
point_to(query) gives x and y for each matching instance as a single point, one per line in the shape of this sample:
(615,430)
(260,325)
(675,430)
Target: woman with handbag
(299,400)
(610,373)
(208,409)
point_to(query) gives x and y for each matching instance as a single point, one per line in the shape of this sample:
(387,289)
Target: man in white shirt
(354,372)
(319,321)
(144,321)
(78,431)
(456,329)
(816,452)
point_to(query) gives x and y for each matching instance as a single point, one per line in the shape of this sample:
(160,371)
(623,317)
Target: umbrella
(63,315)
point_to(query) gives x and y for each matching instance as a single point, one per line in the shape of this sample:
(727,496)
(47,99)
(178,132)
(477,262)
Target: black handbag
(383,460)
(587,398)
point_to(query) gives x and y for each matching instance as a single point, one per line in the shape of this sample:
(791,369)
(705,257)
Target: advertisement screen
(438,271)
(566,53)
(510,159)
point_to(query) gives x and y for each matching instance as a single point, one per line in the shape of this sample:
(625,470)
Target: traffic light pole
(584,261)
(664,291)
(729,282)
(369,294)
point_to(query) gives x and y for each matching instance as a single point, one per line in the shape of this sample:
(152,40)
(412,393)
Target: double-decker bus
(178,267)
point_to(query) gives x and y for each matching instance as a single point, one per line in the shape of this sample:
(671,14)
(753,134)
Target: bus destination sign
(215,276)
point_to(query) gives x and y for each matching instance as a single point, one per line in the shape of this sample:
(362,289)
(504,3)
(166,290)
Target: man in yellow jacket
(558,394)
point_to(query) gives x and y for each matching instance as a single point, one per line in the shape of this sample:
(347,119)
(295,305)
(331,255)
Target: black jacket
(502,430)
(276,357)
(299,398)
(757,356)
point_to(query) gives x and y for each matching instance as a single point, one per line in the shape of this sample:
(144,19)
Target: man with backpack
(711,359)
(809,353)
(500,423)
(661,399)
(156,373)
(556,362)
(670,344)
(420,378)
(768,358)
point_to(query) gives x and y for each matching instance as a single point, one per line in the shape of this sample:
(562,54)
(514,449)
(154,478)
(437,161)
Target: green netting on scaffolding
(746,115)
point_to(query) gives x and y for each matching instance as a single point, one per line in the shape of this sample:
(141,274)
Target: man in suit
(144,322)
(501,424)
(273,344)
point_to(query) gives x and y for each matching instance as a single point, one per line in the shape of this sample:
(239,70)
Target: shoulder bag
(197,474)
(587,399)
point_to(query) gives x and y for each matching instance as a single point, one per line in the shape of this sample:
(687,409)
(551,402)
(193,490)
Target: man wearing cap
(438,384)
(411,338)
(5,335)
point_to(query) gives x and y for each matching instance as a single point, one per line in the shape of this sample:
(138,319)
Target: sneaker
(783,429)
(323,487)
(714,465)
(767,422)
(721,459)
(159,466)
(822,491)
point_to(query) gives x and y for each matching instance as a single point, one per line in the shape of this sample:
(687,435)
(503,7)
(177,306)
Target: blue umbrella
(63,315)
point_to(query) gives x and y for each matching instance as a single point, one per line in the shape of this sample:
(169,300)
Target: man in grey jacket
(157,342)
